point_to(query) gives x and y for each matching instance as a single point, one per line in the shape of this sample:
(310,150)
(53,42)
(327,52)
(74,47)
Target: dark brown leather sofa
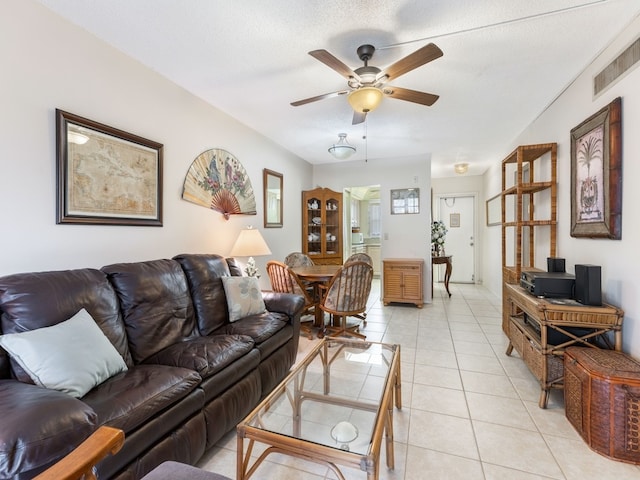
(192,375)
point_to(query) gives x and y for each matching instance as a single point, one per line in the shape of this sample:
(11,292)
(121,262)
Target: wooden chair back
(80,463)
(298,259)
(360,257)
(349,289)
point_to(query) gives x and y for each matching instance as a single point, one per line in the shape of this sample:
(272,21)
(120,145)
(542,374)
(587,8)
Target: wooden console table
(540,330)
(439,260)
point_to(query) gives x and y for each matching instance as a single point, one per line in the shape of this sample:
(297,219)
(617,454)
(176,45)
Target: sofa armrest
(39,426)
(290,304)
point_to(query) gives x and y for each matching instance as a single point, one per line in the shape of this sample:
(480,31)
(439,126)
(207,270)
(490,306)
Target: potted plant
(438,234)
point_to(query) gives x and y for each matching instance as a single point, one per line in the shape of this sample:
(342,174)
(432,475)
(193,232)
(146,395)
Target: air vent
(624,62)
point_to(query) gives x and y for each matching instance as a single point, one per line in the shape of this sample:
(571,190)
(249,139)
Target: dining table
(318,276)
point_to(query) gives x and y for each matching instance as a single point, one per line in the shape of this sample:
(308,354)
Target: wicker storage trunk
(602,400)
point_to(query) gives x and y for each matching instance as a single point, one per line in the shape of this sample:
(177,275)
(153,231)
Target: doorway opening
(364,217)
(458,212)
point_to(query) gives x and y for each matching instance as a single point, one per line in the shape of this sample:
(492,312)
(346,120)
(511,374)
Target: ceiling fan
(368,84)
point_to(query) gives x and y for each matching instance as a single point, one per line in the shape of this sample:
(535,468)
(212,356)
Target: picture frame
(405,201)
(596,174)
(494,211)
(106,176)
(454,220)
(273,187)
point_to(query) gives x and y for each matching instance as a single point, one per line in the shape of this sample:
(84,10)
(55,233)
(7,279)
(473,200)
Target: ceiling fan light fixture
(365,99)
(461,168)
(342,150)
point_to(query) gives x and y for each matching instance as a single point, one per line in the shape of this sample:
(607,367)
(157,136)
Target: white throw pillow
(244,297)
(73,356)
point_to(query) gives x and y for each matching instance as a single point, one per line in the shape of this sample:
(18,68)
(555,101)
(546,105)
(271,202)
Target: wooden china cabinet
(322,226)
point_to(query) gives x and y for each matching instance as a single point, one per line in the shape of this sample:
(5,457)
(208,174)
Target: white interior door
(458,214)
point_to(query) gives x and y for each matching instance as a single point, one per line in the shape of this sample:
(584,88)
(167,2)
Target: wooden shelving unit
(521,186)
(322,226)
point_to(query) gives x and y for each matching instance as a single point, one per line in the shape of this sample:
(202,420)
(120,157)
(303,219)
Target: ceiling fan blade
(332,62)
(358,117)
(421,56)
(414,96)
(319,97)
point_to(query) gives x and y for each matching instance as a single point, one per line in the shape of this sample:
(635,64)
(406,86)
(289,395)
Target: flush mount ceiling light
(365,99)
(461,168)
(342,150)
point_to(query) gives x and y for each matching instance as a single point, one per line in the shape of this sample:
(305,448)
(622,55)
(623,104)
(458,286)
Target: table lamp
(250,244)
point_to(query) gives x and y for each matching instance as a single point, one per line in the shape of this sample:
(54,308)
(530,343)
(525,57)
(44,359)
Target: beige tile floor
(470,412)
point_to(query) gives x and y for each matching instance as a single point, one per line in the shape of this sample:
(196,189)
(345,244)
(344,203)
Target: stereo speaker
(555,265)
(588,289)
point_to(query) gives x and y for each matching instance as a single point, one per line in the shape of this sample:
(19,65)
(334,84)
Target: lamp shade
(250,244)
(365,99)
(342,150)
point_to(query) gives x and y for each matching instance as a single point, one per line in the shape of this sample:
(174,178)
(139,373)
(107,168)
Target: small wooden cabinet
(402,280)
(322,226)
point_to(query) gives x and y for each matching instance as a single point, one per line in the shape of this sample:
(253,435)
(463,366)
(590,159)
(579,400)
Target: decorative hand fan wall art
(217,180)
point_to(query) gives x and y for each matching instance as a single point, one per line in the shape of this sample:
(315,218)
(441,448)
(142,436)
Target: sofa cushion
(34,300)
(205,355)
(131,398)
(204,273)
(39,426)
(73,356)
(235,269)
(244,297)
(155,302)
(259,327)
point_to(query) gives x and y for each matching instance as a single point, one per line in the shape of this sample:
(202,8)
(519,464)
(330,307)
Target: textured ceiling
(504,62)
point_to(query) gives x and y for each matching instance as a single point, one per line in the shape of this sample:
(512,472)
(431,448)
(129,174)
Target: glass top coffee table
(334,408)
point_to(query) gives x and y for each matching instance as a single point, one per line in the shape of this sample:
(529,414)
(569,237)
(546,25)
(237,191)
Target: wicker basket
(602,401)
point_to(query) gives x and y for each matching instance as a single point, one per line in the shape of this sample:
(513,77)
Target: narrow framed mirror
(494,211)
(272,186)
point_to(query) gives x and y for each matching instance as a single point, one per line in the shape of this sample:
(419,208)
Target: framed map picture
(106,176)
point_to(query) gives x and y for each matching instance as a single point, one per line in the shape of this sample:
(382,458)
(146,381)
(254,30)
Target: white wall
(619,259)
(403,236)
(48,63)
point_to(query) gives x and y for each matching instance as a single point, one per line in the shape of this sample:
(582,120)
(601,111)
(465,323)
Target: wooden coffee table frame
(315,452)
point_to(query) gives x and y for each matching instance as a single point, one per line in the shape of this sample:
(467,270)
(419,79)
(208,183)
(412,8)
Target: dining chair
(347,295)
(284,280)
(361,257)
(298,259)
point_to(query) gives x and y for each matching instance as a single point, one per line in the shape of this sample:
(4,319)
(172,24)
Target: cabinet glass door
(314,226)
(332,236)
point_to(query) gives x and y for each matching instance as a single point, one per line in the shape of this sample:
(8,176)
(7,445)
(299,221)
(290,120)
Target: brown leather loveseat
(186,376)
